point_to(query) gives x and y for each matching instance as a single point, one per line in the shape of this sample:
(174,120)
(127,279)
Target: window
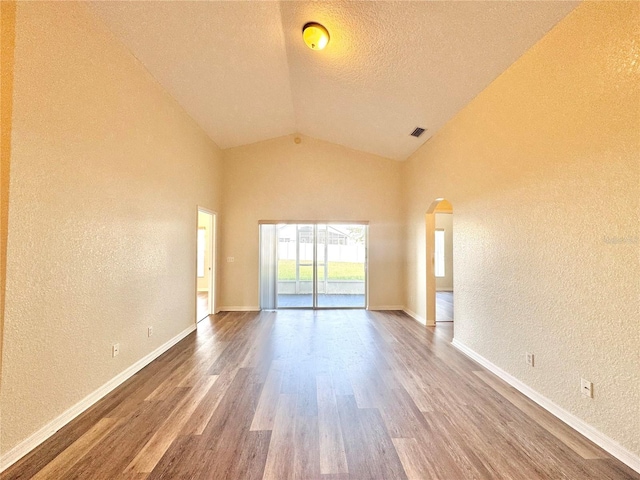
(202,245)
(439,253)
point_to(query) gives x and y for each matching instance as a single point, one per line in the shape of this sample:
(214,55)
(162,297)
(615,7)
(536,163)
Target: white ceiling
(241,70)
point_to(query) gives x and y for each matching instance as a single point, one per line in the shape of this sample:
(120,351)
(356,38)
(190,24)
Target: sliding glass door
(341,266)
(308,265)
(295,266)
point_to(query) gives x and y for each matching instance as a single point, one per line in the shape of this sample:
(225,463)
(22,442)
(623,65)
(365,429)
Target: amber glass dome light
(315,36)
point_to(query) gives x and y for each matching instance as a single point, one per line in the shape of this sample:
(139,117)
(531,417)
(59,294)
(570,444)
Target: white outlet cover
(586,388)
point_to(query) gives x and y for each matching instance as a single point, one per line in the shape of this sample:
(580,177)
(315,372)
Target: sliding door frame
(314,269)
(314,294)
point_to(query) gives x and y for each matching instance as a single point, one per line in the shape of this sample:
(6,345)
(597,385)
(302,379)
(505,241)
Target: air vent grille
(417,132)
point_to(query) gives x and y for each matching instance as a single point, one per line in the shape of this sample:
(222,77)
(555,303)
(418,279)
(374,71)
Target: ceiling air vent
(417,132)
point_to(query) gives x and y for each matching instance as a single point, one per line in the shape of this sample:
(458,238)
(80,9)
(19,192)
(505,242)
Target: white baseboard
(597,437)
(31,442)
(239,309)
(385,307)
(415,316)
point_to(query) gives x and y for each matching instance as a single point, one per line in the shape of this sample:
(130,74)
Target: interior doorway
(439,243)
(313,265)
(205,264)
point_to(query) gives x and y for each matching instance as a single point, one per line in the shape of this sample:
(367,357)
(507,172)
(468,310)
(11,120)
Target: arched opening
(439,255)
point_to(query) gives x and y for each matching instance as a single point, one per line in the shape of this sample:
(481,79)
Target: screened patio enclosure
(306,265)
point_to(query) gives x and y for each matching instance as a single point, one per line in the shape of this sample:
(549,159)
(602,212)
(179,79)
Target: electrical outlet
(149,331)
(586,388)
(231,259)
(115,349)
(530,359)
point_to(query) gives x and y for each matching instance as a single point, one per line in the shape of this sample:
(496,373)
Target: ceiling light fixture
(315,36)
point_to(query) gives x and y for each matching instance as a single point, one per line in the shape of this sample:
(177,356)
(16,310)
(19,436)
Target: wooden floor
(342,394)
(444,306)
(202,305)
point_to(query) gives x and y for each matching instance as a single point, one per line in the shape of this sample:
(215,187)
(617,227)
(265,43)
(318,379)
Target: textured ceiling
(241,70)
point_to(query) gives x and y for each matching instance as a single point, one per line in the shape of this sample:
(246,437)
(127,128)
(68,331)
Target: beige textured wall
(106,173)
(313,180)
(542,169)
(7,43)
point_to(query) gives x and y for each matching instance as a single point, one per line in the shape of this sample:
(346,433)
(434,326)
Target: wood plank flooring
(333,394)
(444,306)
(202,305)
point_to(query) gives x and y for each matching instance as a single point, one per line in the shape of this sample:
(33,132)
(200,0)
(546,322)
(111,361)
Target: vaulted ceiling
(241,70)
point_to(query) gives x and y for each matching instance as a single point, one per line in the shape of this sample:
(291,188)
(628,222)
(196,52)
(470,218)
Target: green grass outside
(337,271)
